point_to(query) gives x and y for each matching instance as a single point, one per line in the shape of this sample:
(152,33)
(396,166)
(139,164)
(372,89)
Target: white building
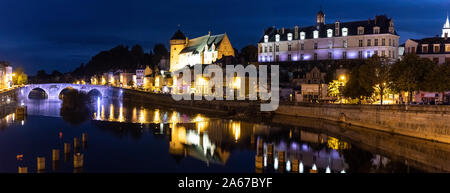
(334,41)
(436,48)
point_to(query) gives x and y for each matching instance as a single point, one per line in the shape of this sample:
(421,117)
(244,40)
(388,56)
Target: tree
(353,89)
(438,79)
(409,73)
(20,77)
(249,54)
(374,73)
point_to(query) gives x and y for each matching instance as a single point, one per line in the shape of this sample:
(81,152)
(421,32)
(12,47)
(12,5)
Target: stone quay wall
(430,122)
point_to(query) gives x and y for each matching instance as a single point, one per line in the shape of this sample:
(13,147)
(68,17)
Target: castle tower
(446,29)
(320,18)
(177,43)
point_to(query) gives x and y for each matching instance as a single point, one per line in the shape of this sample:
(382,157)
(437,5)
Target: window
(302,57)
(265,58)
(266,38)
(344,31)
(302,46)
(302,35)
(265,48)
(277,37)
(315,56)
(330,55)
(277,48)
(330,44)
(375,52)
(289,36)
(383,42)
(345,43)
(368,42)
(390,42)
(329,33)
(360,43)
(359,54)
(436,48)
(383,53)
(413,49)
(376,42)
(270,48)
(360,30)
(376,30)
(316,34)
(315,45)
(344,55)
(289,57)
(277,58)
(424,48)
(447,47)
(289,47)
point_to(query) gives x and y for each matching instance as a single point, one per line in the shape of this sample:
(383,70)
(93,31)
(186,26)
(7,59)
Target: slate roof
(197,45)
(381,21)
(430,42)
(178,36)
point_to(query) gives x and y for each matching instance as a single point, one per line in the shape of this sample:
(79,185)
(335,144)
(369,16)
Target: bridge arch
(38,92)
(63,90)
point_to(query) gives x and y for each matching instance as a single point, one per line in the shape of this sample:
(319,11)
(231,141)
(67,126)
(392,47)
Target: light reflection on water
(169,140)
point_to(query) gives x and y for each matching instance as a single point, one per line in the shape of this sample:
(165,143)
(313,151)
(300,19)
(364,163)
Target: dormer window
(266,38)
(277,37)
(329,33)
(289,36)
(376,30)
(344,31)
(213,47)
(316,34)
(302,35)
(360,30)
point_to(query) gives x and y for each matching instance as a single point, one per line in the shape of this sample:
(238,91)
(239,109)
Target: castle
(202,50)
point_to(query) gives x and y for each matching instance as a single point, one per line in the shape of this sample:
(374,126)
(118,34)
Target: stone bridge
(53,90)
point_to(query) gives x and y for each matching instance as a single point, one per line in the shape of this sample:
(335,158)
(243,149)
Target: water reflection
(133,135)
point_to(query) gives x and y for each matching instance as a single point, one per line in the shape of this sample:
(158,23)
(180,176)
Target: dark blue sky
(62,34)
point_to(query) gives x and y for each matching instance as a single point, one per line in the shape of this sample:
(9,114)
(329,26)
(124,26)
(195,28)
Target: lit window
(289,36)
(344,31)
(447,47)
(302,35)
(266,38)
(316,34)
(329,33)
(360,30)
(277,37)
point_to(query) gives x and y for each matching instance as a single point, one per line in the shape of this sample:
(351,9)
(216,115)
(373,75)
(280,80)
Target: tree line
(376,77)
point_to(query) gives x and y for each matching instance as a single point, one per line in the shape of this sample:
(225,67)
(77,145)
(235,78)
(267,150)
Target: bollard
(259,161)
(76,143)
(55,154)
(295,165)
(40,163)
(66,148)
(84,138)
(281,156)
(78,160)
(23,170)
(269,149)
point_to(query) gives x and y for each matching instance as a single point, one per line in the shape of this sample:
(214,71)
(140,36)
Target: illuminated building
(202,50)
(5,76)
(333,41)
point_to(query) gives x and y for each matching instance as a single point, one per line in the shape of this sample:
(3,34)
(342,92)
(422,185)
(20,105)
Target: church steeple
(320,18)
(446,29)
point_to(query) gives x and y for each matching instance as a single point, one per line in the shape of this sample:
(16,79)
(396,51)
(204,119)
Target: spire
(447,24)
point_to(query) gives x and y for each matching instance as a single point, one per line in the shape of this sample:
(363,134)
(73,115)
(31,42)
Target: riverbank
(423,122)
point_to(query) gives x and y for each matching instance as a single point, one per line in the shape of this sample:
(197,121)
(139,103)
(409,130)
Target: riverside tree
(374,74)
(438,79)
(353,88)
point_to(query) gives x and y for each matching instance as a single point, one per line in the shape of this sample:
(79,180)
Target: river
(126,137)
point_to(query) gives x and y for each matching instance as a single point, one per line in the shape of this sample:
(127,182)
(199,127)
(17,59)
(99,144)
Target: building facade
(334,41)
(202,50)
(436,48)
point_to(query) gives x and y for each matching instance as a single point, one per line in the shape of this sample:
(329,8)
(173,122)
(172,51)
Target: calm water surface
(134,138)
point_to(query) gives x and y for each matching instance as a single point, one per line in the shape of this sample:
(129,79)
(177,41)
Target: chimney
(282,30)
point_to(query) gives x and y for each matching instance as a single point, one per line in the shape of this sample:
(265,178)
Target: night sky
(62,34)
